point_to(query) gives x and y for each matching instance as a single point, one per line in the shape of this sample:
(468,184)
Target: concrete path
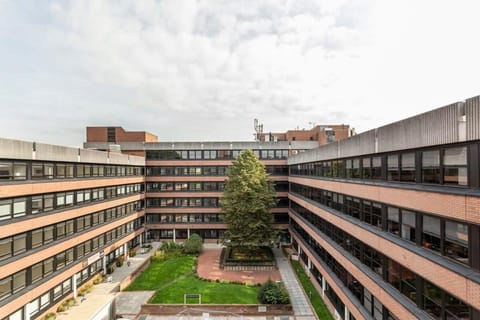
(106,291)
(301,306)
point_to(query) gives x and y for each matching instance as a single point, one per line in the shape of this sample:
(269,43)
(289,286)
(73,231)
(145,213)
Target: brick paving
(209,268)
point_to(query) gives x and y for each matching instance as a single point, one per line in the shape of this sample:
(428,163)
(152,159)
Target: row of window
(411,285)
(196,202)
(185,186)
(19,207)
(14,283)
(52,296)
(156,235)
(201,218)
(185,218)
(20,170)
(206,171)
(280,186)
(182,202)
(444,236)
(212,154)
(447,166)
(20,243)
(365,298)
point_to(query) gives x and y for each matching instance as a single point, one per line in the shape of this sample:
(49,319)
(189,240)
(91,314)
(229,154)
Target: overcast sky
(203,70)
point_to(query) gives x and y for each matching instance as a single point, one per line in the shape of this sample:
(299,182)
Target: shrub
(85,289)
(63,307)
(273,293)
(119,262)
(50,316)
(132,252)
(98,279)
(193,245)
(170,246)
(71,302)
(110,268)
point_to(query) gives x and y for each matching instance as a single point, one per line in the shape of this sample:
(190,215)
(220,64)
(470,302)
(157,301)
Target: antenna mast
(258,129)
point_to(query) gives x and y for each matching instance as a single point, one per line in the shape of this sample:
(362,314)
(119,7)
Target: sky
(203,70)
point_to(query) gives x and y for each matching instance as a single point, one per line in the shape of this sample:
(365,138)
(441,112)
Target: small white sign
(262,309)
(93,258)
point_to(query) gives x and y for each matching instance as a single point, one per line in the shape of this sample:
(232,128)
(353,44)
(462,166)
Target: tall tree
(248,199)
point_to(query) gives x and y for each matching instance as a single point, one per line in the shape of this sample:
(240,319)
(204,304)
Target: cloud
(176,67)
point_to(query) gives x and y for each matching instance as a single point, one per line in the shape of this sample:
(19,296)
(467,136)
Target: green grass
(174,275)
(212,292)
(316,300)
(160,273)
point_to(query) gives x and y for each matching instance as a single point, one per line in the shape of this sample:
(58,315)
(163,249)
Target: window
(19,244)
(60,260)
(356,168)
(44,300)
(19,207)
(408,225)
(69,227)
(376,171)
(48,202)
(432,300)
(60,171)
(408,167)
(47,234)
(69,256)
(111,134)
(431,233)
(5,209)
(5,287)
(19,280)
(393,220)
(69,170)
(366,166)
(37,272)
(456,241)
(42,171)
(393,168)
(80,250)
(34,307)
(37,238)
(431,166)
(57,292)
(47,266)
(455,166)
(37,204)
(5,248)
(12,208)
(60,199)
(13,171)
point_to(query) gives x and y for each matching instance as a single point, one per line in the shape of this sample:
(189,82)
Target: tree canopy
(248,199)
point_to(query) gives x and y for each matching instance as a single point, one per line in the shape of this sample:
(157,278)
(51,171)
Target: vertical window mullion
(442,236)
(442,168)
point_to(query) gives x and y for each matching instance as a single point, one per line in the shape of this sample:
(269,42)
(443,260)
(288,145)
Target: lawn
(316,300)
(212,292)
(160,273)
(174,276)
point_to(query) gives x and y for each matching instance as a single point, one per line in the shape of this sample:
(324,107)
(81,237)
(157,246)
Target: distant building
(323,134)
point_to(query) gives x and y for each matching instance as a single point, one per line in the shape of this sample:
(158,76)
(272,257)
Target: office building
(65,214)
(386,222)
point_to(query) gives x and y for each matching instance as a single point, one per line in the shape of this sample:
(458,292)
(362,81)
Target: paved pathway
(209,268)
(105,291)
(301,306)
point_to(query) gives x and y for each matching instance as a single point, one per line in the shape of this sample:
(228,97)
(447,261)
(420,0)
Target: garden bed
(241,258)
